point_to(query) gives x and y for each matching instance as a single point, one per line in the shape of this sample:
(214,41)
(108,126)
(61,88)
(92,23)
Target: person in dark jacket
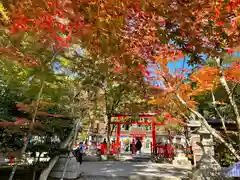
(133,147)
(138,145)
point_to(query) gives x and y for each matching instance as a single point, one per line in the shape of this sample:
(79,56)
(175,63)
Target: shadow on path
(130,169)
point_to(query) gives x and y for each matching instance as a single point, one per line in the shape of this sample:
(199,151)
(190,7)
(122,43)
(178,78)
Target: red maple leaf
(230,51)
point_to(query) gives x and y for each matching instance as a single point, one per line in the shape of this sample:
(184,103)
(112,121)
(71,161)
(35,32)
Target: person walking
(138,146)
(86,147)
(80,153)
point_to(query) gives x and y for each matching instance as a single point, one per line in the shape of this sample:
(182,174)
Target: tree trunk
(230,97)
(109,132)
(34,174)
(73,142)
(232,102)
(76,122)
(33,118)
(34,168)
(65,166)
(210,129)
(218,113)
(23,150)
(112,129)
(44,174)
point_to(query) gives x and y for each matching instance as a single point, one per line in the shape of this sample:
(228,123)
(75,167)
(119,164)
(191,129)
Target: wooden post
(153,135)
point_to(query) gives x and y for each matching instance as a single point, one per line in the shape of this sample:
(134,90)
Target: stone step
(67,175)
(143,177)
(141,158)
(103,178)
(135,159)
(119,178)
(133,177)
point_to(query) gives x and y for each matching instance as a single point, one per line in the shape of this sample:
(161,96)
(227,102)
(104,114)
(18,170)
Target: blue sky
(173,67)
(179,64)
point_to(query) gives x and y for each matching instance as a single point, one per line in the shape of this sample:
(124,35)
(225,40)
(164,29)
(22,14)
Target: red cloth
(103,148)
(11,159)
(113,148)
(169,151)
(160,149)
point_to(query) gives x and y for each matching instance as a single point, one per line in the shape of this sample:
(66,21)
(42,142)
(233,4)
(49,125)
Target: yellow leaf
(3,13)
(152,102)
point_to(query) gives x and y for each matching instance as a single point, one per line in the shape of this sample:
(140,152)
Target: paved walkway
(132,169)
(103,170)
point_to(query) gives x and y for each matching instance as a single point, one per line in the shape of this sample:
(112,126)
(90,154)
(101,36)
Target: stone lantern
(178,139)
(181,160)
(208,166)
(206,141)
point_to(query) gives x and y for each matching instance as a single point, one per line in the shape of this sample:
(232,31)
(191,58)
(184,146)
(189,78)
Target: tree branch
(209,128)
(113,127)
(24,148)
(234,88)
(229,93)
(218,113)
(116,102)
(205,123)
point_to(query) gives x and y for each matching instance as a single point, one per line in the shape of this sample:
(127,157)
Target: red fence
(163,151)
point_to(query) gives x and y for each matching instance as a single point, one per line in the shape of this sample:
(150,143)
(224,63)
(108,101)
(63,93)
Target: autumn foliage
(47,24)
(233,73)
(204,80)
(127,33)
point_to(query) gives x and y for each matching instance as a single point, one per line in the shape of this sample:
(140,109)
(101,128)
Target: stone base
(109,157)
(104,157)
(182,162)
(208,174)
(67,175)
(208,169)
(141,177)
(90,158)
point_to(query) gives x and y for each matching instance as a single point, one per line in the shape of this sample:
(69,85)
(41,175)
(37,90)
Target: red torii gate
(153,123)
